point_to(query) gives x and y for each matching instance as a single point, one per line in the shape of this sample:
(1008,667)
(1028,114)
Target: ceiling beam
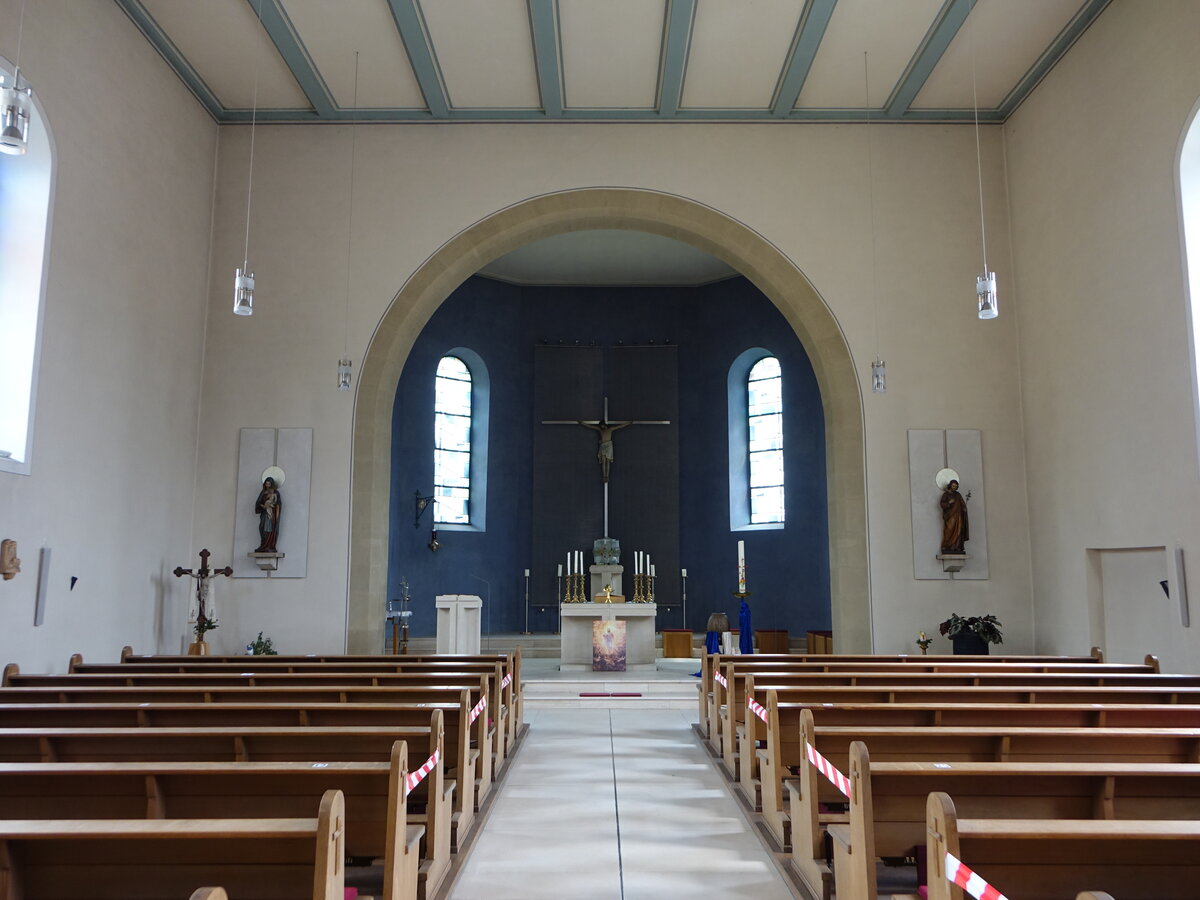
(677,38)
(167,50)
(413,33)
(544,24)
(1066,38)
(947,24)
(279,28)
(809,34)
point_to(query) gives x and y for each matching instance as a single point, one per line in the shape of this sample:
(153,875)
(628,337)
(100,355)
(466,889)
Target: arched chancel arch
(637,210)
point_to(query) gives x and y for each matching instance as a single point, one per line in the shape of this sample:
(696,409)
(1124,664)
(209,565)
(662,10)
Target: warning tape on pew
(758,709)
(960,875)
(415,778)
(507,680)
(828,769)
(721,680)
(479,708)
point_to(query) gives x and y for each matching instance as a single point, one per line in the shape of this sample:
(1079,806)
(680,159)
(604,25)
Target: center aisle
(615,804)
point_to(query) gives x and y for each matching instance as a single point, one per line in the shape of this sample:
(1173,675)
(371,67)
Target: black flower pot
(968,643)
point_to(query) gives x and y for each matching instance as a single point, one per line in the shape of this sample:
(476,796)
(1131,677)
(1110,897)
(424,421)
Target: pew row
(114,859)
(888,801)
(461,758)
(1035,859)
(377,822)
(995,743)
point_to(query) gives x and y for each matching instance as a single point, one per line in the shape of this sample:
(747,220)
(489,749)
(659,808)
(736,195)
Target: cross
(604,429)
(202,576)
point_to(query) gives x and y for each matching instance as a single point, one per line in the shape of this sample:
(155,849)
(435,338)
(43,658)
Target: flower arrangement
(986,627)
(923,641)
(261,646)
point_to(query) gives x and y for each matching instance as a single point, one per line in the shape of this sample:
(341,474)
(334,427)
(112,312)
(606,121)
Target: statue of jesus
(604,453)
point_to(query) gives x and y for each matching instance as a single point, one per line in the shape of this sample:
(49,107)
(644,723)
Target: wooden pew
(459,755)
(738,739)
(496,727)
(997,743)
(1048,860)
(469,696)
(710,664)
(741,740)
(888,801)
(376,820)
(114,859)
(735,669)
(506,700)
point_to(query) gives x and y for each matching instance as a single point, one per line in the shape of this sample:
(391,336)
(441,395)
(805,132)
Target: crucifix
(203,576)
(604,429)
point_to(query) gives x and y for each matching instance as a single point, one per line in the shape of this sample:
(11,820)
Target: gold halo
(273,472)
(943,478)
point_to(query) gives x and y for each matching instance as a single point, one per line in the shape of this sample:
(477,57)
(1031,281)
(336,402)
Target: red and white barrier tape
(960,875)
(757,708)
(828,769)
(479,708)
(721,680)
(507,680)
(415,778)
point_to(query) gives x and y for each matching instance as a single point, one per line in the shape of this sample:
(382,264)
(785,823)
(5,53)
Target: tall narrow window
(1189,200)
(25,188)
(452,443)
(764,413)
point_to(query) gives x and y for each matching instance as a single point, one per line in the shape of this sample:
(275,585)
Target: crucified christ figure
(604,453)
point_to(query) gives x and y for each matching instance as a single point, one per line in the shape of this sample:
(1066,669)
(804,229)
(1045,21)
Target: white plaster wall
(1105,361)
(802,187)
(114,447)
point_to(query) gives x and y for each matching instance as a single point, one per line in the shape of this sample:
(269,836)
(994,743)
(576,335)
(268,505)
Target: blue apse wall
(788,568)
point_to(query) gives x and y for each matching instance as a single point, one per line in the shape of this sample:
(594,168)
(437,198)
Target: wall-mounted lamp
(419,504)
(433,541)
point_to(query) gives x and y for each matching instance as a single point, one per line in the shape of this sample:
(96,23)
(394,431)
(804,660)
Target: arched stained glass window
(452,443)
(764,416)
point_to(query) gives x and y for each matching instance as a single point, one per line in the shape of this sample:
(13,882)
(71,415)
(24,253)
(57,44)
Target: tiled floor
(615,804)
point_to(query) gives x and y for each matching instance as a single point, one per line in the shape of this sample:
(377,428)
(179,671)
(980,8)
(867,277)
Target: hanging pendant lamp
(16,103)
(243,279)
(985,284)
(343,367)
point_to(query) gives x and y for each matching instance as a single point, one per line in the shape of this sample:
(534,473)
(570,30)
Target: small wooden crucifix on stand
(604,453)
(203,576)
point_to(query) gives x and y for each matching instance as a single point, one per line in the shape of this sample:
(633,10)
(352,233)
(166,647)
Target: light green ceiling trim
(283,35)
(543,19)
(176,60)
(947,24)
(1088,13)
(677,39)
(809,34)
(411,25)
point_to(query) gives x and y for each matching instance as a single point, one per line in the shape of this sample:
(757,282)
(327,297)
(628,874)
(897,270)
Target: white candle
(649,569)
(569,563)
(526,573)
(560,570)
(652,573)
(578,562)
(637,570)
(741,567)
(683,572)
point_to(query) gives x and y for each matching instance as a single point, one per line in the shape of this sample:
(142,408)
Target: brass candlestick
(638,596)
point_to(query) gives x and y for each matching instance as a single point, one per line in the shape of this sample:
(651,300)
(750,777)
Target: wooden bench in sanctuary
(790,802)
(462,759)
(377,824)
(117,859)
(1037,859)
(416,689)
(887,814)
(742,733)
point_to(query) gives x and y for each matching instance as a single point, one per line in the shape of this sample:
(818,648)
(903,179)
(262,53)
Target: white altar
(640,620)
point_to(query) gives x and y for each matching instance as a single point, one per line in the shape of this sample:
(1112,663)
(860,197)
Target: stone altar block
(458,618)
(577,618)
(602,575)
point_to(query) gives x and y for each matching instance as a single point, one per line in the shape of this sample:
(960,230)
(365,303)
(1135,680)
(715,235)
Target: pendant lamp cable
(871,196)
(978,154)
(250,176)
(350,227)
(17,58)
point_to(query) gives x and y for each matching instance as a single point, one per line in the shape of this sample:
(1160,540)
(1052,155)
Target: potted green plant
(261,647)
(972,634)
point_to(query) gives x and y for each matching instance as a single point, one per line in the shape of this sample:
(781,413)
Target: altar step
(610,693)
